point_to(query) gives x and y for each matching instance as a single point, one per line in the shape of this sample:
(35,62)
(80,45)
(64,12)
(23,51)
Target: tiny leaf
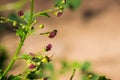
(42,14)
(25,56)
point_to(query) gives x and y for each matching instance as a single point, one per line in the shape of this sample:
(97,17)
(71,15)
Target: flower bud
(59,14)
(48,47)
(21,13)
(31,66)
(14,23)
(45,59)
(63,1)
(41,26)
(52,34)
(61,7)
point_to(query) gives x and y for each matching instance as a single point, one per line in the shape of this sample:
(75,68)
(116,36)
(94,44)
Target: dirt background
(91,33)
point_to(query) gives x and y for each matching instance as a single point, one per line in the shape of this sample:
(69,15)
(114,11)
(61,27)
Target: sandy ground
(91,33)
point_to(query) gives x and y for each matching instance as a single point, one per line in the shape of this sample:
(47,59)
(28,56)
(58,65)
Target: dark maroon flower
(31,66)
(21,13)
(48,47)
(59,14)
(45,78)
(52,34)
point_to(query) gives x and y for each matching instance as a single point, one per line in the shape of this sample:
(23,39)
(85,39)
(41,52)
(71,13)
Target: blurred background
(90,33)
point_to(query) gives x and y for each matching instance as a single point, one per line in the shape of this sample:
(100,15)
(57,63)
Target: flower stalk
(21,42)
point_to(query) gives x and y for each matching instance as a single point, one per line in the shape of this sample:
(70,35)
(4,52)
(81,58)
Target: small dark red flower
(52,34)
(20,13)
(59,14)
(31,66)
(48,47)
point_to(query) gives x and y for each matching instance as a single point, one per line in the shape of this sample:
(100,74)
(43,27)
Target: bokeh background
(90,33)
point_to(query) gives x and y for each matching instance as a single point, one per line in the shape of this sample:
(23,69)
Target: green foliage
(26,57)
(86,66)
(39,66)
(71,4)
(42,14)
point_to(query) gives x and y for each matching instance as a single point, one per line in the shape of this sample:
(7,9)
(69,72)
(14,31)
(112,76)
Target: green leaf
(57,2)
(25,56)
(42,14)
(86,66)
(73,4)
(76,65)
(50,67)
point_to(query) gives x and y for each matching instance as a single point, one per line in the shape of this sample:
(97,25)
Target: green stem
(31,13)
(46,11)
(14,58)
(21,42)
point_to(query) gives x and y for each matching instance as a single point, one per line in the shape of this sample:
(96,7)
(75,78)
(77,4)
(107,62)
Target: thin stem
(21,42)
(46,11)
(31,12)
(72,74)
(14,58)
